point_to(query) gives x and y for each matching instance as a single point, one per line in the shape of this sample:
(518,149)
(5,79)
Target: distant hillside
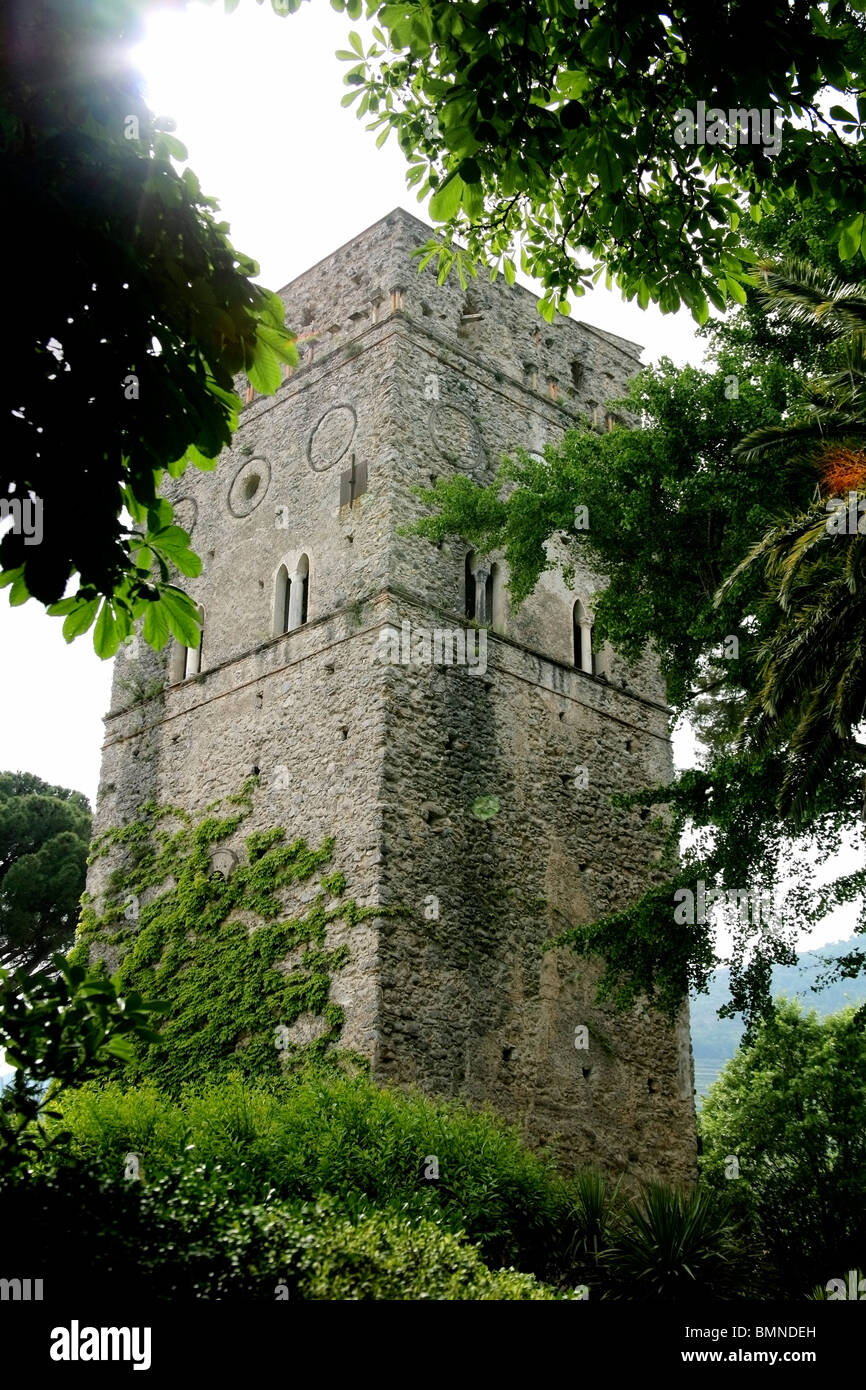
(715,1039)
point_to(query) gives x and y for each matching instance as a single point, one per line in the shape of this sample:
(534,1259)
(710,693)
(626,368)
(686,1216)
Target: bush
(343,1137)
(676,1245)
(790,1108)
(187,1236)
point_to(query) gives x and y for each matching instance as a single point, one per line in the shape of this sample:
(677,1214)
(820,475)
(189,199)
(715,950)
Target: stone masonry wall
(478,801)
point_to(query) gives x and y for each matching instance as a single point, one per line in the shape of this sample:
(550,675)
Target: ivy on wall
(211,944)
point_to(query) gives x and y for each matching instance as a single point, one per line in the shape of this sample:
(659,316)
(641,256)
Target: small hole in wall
(507,1054)
(652,1085)
(645,813)
(251,486)
(350,539)
(426,311)
(561,715)
(628,745)
(586,1071)
(211,554)
(255,771)
(344,731)
(261,583)
(582,868)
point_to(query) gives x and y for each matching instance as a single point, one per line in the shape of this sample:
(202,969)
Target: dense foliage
(125,359)
(189,1237)
(59,1027)
(181,929)
(790,1108)
(550,129)
(391,1195)
(44,834)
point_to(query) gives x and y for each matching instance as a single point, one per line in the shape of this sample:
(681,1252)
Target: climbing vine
(217,946)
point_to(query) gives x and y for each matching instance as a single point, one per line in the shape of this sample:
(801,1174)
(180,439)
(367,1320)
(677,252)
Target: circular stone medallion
(331,437)
(456,436)
(249,486)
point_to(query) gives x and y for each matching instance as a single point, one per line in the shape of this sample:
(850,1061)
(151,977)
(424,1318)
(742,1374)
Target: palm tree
(811,660)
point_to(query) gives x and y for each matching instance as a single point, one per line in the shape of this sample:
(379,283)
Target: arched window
(469,586)
(282,601)
(299,586)
(582,624)
(491,595)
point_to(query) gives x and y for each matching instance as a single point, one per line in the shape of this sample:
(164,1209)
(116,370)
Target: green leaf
(106,638)
(355,41)
(469,171)
(445,202)
(736,291)
(80,618)
(849,241)
(264,372)
(181,614)
(473,201)
(19,593)
(155,627)
(608,169)
(173,542)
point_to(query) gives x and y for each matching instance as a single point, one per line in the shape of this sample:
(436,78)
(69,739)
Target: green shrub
(344,1137)
(790,1108)
(675,1245)
(187,1236)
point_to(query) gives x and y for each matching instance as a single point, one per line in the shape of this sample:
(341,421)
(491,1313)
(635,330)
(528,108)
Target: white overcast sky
(257,103)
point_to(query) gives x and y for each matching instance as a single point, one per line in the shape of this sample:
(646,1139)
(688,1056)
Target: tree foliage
(546,130)
(44,833)
(136,320)
(59,1026)
(791,1110)
(811,668)
(675,503)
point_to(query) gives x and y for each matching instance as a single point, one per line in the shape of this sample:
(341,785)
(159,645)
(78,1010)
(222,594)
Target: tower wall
(476,800)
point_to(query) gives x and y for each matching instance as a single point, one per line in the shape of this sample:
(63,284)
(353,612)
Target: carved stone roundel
(186,514)
(249,486)
(331,437)
(456,436)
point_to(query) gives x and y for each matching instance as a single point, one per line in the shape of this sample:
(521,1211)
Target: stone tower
(462,756)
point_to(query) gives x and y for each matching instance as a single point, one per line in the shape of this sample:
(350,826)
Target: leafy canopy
(545,130)
(791,1108)
(44,833)
(137,317)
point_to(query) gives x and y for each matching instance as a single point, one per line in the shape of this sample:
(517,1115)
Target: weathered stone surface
(479,799)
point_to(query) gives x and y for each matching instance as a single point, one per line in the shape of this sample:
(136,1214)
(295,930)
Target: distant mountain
(715,1040)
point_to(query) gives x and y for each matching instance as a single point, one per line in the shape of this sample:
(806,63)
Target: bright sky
(257,103)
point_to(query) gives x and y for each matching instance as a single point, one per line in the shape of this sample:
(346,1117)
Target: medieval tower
(468,781)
